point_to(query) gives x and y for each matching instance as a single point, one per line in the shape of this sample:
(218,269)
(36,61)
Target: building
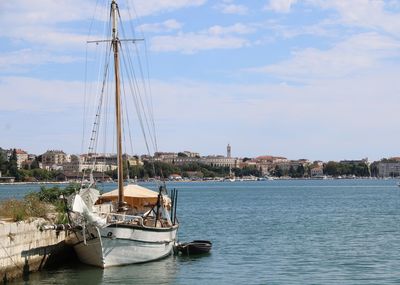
(99,163)
(54,159)
(165,155)
(21,155)
(267,163)
(317,171)
(228,151)
(388,169)
(294,164)
(219,161)
(77,176)
(182,160)
(4,179)
(27,164)
(134,160)
(191,154)
(355,162)
(99,166)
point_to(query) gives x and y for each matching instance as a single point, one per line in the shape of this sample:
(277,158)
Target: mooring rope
(7,253)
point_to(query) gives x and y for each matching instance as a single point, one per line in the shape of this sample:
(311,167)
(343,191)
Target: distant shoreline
(34,183)
(197,181)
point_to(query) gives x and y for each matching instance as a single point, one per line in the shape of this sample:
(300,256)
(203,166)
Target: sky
(315,79)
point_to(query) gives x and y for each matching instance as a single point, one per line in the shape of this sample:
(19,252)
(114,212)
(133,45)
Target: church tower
(228,151)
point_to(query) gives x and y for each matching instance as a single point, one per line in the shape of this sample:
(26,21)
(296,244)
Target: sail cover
(89,196)
(79,206)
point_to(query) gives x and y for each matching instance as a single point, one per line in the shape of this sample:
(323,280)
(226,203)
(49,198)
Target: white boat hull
(120,245)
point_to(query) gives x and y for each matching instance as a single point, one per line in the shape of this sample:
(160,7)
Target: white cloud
(230,8)
(216,37)
(192,43)
(166,26)
(235,9)
(280,6)
(355,55)
(38,23)
(39,95)
(348,116)
(21,59)
(149,7)
(48,11)
(370,14)
(48,28)
(43,22)
(24,12)
(237,28)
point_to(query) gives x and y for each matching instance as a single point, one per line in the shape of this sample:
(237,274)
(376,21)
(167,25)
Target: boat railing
(122,218)
(146,222)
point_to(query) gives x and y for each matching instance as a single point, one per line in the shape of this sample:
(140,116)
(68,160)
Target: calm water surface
(270,232)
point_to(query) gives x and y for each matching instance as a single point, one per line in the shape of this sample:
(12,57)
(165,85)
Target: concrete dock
(25,248)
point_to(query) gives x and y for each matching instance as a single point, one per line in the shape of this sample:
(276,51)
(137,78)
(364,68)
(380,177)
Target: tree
(332,168)
(278,171)
(41,174)
(35,163)
(247,171)
(292,172)
(300,171)
(374,169)
(13,166)
(3,162)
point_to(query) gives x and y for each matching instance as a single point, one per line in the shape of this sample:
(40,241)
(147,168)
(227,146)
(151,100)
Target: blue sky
(316,79)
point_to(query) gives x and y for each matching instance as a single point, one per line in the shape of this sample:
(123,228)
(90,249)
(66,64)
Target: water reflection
(159,272)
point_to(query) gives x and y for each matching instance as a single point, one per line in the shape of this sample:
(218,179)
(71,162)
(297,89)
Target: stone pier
(24,248)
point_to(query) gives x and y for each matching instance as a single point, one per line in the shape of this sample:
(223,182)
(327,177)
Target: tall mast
(115,42)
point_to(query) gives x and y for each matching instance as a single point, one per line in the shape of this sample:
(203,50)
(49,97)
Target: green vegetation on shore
(162,169)
(8,167)
(43,204)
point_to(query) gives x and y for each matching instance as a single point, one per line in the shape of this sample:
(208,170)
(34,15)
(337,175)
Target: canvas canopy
(137,197)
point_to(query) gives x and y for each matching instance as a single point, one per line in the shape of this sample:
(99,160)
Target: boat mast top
(115,43)
(114,12)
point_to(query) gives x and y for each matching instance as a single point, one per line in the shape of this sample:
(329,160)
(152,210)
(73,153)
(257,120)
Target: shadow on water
(184,256)
(164,271)
(159,272)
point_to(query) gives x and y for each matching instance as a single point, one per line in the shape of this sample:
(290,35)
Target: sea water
(268,232)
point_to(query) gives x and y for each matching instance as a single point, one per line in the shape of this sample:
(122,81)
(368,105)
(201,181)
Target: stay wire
(146,93)
(149,102)
(136,100)
(149,92)
(92,149)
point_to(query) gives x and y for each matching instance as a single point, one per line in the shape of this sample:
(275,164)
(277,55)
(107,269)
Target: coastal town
(17,165)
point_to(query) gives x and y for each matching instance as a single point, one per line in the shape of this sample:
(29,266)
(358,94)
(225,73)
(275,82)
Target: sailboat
(131,224)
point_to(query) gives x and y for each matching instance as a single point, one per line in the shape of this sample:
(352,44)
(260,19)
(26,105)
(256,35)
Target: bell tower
(228,151)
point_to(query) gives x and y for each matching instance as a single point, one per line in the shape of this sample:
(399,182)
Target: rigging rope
(149,121)
(140,96)
(92,149)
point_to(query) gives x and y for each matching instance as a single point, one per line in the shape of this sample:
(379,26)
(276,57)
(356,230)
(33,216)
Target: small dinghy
(194,247)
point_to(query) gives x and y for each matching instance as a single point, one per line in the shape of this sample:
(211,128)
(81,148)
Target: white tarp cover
(79,206)
(89,196)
